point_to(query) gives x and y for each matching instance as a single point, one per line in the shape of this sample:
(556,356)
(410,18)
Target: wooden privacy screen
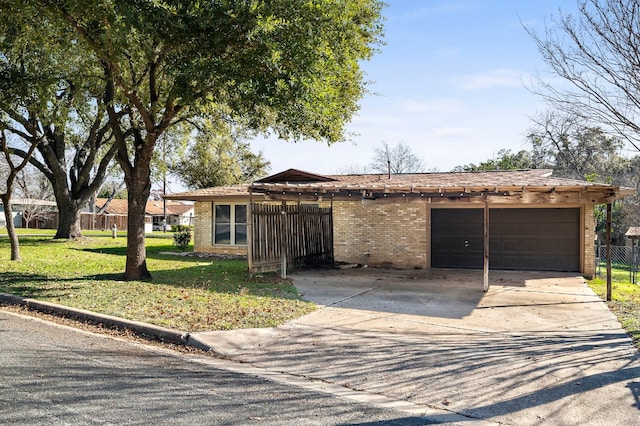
(301,233)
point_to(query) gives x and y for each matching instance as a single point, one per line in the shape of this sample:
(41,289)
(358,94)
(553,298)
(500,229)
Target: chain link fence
(623,258)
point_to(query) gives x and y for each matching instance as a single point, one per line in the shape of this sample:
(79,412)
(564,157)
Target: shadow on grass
(225,276)
(220,276)
(118,251)
(188,272)
(34,285)
(153,252)
(36,241)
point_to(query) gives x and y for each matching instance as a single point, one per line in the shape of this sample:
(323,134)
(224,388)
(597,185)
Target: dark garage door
(526,239)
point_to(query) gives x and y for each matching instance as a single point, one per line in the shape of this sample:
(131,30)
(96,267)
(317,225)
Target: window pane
(241,234)
(223,213)
(241,214)
(223,234)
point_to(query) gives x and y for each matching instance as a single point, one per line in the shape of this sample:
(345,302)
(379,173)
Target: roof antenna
(389,169)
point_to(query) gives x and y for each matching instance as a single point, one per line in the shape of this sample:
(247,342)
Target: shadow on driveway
(537,348)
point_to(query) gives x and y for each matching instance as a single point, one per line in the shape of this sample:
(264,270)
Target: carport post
(485,284)
(283,241)
(608,237)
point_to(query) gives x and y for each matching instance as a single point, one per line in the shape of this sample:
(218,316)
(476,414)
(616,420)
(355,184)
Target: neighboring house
(17,219)
(178,213)
(529,219)
(41,214)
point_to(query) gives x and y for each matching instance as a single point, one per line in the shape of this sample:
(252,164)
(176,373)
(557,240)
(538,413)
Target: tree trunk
(68,208)
(69,213)
(11,229)
(138,194)
(69,223)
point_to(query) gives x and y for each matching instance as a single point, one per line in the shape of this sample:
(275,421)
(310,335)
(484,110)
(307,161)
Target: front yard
(187,293)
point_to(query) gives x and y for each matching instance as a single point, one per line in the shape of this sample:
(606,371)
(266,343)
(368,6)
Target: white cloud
(412,106)
(451,132)
(490,79)
(443,9)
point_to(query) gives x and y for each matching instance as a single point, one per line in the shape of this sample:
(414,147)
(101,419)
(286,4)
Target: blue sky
(450,82)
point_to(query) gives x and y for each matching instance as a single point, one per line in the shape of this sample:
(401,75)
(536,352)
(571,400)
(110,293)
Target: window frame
(232,223)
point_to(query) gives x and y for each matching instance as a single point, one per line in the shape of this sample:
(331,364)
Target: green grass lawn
(625,303)
(96,233)
(187,293)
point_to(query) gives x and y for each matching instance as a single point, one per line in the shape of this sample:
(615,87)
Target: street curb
(144,329)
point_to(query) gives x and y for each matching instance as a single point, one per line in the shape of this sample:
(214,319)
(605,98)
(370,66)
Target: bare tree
(354,169)
(576,149)
(35,191)
(597,53)
(9,179)
(396,159)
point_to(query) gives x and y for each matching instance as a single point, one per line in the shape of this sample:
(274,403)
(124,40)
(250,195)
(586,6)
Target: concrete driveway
(537,348)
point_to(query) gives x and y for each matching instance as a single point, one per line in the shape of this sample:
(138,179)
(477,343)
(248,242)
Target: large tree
(290,66)
(49,92)
(596,55)
(219,155)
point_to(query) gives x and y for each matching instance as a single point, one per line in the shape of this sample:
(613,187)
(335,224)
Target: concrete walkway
(536,349)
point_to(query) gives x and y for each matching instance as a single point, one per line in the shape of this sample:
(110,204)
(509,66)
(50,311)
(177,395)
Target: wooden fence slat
(305,230)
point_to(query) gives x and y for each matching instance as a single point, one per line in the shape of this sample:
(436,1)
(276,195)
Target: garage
(535,239)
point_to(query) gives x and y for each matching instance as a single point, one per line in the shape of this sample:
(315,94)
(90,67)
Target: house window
(230,224)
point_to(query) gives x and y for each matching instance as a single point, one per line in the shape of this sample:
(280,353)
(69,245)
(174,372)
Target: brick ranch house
(524,220)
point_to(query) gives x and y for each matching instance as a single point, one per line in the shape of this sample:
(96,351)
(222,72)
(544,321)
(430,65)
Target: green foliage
(219,156)
(618,223)
(180,228)
(286,65)
(189,293)
(505,160)
(182,238)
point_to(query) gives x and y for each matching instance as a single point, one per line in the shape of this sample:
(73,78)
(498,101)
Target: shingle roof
(633,232)
(535,178)
(179,208)
(240,190)
(507,180)
(115,206)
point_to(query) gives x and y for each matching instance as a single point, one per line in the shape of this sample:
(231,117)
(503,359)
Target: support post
(608,238)
(250,233)
(283,241)
(485,284)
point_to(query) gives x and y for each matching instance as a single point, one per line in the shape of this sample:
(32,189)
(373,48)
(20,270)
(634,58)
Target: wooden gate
(297,234)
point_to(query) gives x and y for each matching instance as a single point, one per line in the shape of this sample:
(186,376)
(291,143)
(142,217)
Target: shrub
(180,228)
(181,239)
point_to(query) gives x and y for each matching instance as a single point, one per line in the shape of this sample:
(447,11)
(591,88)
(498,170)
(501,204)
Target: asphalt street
(53,374)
